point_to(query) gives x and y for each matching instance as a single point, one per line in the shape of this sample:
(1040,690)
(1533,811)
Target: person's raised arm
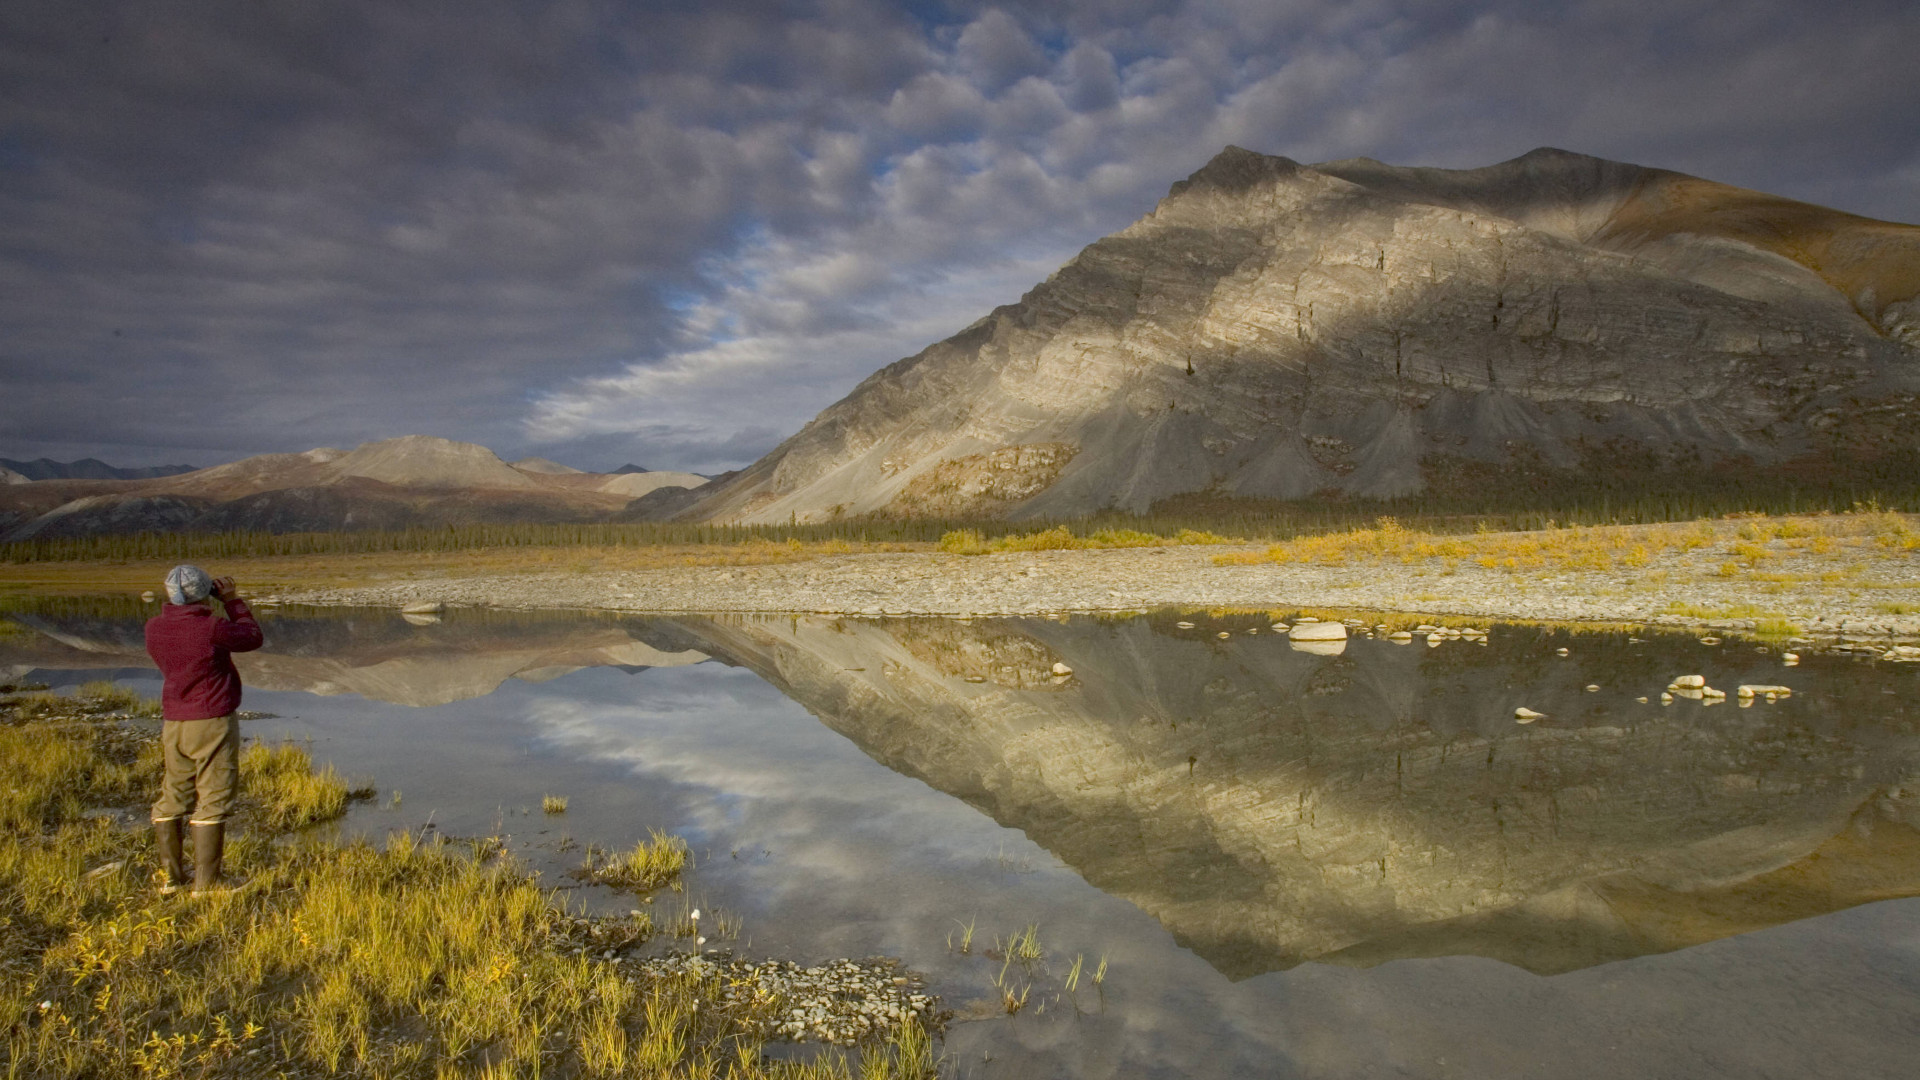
(240,632)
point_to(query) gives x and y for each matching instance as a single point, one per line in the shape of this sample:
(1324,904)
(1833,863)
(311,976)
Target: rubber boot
(209,842)
(168,836)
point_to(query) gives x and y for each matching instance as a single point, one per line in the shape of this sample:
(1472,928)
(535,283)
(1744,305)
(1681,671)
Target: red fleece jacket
(192,650)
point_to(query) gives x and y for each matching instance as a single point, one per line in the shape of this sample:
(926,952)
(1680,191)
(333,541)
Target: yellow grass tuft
(655,862)
(280,777)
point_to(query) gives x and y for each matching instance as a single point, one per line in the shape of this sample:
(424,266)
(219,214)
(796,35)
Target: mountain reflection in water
(1266,804)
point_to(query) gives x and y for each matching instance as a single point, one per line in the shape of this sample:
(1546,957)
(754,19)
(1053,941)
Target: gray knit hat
(188,584)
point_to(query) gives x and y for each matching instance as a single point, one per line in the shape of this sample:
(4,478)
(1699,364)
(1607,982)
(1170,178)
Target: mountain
(629,467)
(411,481)
(1355,329)
(542,465)
(634,485)
(85,469)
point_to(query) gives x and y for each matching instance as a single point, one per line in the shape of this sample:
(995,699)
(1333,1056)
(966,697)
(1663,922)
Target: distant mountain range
(84,469)
(411,481)
(1275,330)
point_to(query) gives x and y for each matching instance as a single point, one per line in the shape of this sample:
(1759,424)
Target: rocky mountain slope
(1275,330)
(414,480)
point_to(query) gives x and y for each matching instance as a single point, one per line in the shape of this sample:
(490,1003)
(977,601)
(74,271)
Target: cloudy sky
(670,233)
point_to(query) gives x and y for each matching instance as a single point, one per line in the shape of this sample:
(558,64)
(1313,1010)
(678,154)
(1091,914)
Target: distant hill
(542,465)
(1352,329)
(86,469)
(406,482)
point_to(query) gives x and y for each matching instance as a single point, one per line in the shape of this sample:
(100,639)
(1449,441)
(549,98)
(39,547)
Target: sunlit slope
(1874,264)
(1276,330)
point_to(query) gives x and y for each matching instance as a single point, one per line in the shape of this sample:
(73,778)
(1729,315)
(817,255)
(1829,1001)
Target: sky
(671,233)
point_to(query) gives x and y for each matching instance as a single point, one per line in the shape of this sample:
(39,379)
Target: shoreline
(1875,594)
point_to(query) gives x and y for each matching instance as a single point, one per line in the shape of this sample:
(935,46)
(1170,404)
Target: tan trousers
(203,769)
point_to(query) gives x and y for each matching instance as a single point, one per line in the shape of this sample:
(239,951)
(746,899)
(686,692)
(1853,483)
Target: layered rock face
(1274,330)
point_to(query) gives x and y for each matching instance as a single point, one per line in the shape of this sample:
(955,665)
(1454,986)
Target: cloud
(554,227)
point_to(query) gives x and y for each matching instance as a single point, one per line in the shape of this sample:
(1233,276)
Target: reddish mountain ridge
(414,480)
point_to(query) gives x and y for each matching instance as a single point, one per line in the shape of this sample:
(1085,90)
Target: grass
(279,778)
(97,698)
(81,571)
(405,959)
(1738,546)
(265,563)
(1063,538)
(966,936)
(655,862)
(553,804)
(1025,946)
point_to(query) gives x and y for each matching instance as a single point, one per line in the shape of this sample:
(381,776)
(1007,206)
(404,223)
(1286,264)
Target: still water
(1293,863)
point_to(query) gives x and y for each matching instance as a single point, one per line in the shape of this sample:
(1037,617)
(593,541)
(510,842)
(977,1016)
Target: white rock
(423,607)
(1592,687)
(1688,682)
(1525,715)
(1748,690)
(1184,625)
(1061,669)
(1789,658)
(1561,652)
(1710,692)
(1317,631)
(1400,636)
(1319,648)
(1306,618)
(1223,634)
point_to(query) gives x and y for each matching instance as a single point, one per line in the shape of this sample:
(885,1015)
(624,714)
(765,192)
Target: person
(200,725)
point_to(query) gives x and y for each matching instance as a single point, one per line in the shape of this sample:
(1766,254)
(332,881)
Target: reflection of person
(200,732)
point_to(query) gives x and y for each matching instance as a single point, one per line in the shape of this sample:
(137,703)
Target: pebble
(1147,578)
(1525,715)
(840,1003)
